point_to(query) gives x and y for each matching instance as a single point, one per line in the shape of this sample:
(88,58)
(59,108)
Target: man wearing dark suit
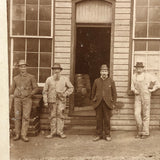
(104,96)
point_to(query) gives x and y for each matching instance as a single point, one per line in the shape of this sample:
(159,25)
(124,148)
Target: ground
(122,147)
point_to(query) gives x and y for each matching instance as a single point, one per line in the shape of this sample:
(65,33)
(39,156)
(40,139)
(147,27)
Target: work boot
(17,137)
(24,138)
(50,136)
(97,138)
(144,136)
(108,138)
(62,135)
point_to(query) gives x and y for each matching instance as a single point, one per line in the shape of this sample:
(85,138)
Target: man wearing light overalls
(143,84)
(55,91)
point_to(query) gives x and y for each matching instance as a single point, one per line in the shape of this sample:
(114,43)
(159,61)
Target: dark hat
(22,62)
(139,64)
(57,66)
(104,67)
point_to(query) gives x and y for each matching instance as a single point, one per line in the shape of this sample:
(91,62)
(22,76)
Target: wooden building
(82,35)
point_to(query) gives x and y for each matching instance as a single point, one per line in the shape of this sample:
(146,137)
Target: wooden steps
(83,121)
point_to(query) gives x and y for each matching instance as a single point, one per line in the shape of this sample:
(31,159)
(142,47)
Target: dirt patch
(122,147)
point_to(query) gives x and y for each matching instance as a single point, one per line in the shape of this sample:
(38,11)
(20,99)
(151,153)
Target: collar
(23,75)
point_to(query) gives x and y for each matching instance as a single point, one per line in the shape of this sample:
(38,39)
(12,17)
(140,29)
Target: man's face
(104,73)
(23,68)
(56,71)
(139,70)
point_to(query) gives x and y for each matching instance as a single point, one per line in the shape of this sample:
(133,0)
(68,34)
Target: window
(146,35)
(31,36)
(31,17)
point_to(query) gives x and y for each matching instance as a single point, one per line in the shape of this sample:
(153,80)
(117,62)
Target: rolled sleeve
(69,87)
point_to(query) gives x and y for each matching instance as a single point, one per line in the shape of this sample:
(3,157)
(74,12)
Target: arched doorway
(92,45)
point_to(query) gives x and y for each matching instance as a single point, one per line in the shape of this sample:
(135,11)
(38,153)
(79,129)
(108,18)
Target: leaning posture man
(104,96)
(56,88)
(143,84)
(24,87)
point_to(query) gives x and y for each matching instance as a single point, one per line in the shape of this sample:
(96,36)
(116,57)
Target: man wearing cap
(104,96)
(24,86)
(55,91)
(142,85)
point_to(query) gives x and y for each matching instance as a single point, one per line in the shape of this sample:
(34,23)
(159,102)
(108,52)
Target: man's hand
(60,96)
(136,92)
(151,90)
(46,104)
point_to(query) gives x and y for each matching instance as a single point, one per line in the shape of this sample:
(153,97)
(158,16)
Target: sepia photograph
(80,79)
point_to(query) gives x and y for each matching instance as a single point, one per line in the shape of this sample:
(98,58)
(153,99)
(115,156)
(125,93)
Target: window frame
(25,37)
(146,53)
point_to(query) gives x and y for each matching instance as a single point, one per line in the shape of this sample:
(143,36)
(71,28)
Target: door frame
(74,26)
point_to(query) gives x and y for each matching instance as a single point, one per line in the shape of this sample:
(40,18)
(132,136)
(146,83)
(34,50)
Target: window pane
(154,30)
(31,28)
(45,2)
(18,1)
(33,71)
(45,45)
(45,60)
(18,12)
(154,14)
(141,30)
(44,74)
(18,27)
(140,46)
(44,28)
(141,14)
(15,72)
(32,45)
(154,3)
(19,44)
(45,13)
(153,61)
(32,12)
(31,1)
(32,59)
(153,45)
(17,56)
(141,2)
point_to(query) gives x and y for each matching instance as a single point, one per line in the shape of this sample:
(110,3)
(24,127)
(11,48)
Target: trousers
(22,110)
(103,115)
(142,113)
(56,117)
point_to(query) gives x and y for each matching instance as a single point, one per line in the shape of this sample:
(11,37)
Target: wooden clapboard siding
(62,33)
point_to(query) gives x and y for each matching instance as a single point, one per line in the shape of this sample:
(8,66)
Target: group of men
(104,96)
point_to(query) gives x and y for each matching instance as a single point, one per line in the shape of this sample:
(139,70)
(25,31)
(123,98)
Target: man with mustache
(55,91)
(143,84)
(24,86)
(104,96)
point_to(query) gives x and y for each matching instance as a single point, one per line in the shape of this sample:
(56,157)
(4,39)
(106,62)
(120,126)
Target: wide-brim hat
(22,62)
(104,67)
(139,64)
(57,66)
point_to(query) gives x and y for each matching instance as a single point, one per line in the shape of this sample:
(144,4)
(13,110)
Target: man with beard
(56,88)
(143,84)
(104,96)
(23,88)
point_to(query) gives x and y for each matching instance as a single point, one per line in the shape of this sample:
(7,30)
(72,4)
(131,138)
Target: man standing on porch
(56,88)
(24,86)
(143,84)
(104,96)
